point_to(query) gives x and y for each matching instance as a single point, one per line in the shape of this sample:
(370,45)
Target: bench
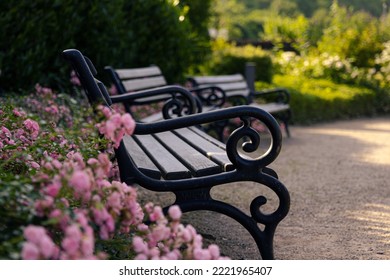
(212,92)
(239,91)
(173,155)
(131,80)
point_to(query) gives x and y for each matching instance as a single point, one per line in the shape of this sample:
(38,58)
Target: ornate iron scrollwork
(251,142)
(176,107)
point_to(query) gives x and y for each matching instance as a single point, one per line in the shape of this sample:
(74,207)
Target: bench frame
(194,193)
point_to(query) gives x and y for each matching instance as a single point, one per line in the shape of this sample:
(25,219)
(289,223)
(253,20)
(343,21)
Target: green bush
(319,100)
(121,33)
(230,59)
(354,36)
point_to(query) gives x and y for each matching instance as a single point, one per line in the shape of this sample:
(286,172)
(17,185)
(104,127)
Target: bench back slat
(218,79)
(143,83)
(134,73)
(231,84)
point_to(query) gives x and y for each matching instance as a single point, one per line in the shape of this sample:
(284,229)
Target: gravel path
(338,176)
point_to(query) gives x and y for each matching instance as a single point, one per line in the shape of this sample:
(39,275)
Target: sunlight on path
(374,136)
(375,219)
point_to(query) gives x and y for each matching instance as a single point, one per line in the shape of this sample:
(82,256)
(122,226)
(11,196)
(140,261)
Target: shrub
(231,59)
(352,36)
(34,33)
(340,70)
(319,100)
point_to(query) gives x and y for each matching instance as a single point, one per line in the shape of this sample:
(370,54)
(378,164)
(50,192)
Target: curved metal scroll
(176,107)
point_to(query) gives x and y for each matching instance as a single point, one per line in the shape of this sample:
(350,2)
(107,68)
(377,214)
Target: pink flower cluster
(77,195)
(16,137)
(39,245)
(116,125)
(84,207)
(168,239)
(46,104)
(74,79)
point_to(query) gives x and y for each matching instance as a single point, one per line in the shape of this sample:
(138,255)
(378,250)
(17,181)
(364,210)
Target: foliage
(319,100)
(231,59)
(334,67)
(354,36)
(287,29)
(169,42)
(309,7)
(60,194)
(109,32)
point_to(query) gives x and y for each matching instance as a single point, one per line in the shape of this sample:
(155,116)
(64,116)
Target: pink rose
(30,251)
(81,184)
(33,233)
(128,123)
(174,212)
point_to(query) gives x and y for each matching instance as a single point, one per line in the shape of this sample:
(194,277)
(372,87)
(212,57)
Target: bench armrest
(175,96)
(283,94)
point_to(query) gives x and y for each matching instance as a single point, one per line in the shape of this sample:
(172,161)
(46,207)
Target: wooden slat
(199,164)
(153,118)
(170,167)
(208,137)
(206,147)
(272,107)
(233,86)
(138,72)
(141,160)
(145,83)
(218,79)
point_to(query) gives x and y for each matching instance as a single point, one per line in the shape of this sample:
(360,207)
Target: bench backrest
(135,79)
(233,85)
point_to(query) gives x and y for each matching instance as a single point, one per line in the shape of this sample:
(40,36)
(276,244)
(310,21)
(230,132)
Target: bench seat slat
(199,164)
(170,167)
(141,160)
(153,118)
(208,137)
(206,147)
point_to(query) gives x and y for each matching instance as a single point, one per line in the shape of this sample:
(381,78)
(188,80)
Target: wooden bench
(212,92)
(239,91)
(174,156)
(130,80)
